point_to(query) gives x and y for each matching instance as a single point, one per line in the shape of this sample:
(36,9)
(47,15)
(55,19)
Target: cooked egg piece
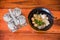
(39,27)
(39,17)
(32,19)
(46,22)
(35,15)
(43,16)
(35,25)
(47,18)
(33,22)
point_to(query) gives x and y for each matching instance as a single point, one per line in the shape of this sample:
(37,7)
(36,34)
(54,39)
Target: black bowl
(42,11)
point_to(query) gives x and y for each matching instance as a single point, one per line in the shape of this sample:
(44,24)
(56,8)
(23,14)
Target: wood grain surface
(27,33)
(50,4)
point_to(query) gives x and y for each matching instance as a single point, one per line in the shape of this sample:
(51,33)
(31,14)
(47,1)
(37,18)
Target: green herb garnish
(39,22)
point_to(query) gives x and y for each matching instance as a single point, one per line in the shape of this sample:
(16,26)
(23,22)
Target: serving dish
(41,10)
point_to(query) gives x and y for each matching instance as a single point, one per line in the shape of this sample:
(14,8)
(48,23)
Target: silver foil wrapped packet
(15,19)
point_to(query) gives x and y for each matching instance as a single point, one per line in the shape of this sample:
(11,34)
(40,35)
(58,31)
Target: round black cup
(41,10)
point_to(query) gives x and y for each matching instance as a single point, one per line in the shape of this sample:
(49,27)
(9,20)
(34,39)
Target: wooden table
(27,33)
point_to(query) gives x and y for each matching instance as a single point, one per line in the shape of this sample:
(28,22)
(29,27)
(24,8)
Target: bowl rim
(42,10)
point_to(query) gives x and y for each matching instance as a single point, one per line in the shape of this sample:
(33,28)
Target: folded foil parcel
(14,19)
